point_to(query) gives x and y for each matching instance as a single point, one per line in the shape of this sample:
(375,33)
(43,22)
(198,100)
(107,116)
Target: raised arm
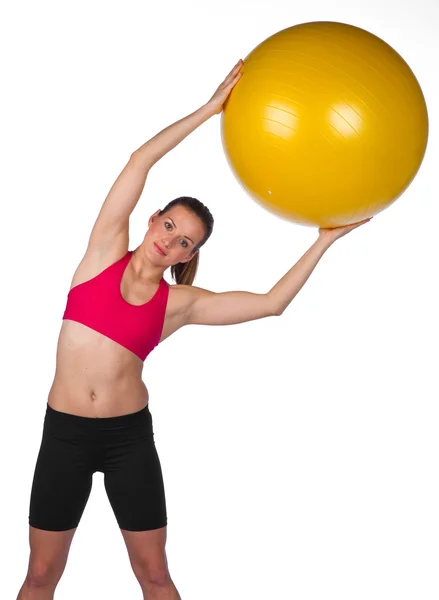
(227,308)
(113,218)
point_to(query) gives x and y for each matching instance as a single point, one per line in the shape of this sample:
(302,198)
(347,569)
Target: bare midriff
(95,376)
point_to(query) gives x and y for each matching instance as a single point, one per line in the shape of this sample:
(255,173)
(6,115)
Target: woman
(119,308)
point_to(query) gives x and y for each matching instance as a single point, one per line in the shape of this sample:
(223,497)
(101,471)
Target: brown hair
(184,273)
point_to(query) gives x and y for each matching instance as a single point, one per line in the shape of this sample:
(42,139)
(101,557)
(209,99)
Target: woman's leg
(48,556)
(61,487)
(134,483)
(146,550)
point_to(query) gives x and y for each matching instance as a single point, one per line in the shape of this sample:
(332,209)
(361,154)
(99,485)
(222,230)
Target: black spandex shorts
(74,447)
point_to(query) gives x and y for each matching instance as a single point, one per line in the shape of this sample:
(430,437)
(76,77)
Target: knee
(148,574)
(43,574)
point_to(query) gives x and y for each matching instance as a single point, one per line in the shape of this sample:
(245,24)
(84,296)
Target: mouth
(159,250)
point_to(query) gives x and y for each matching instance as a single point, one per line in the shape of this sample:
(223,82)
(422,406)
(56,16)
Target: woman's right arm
(113,219)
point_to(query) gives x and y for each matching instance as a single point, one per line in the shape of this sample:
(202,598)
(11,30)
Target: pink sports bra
(98,303)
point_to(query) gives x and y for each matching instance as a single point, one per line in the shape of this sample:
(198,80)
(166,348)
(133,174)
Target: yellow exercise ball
(327,125)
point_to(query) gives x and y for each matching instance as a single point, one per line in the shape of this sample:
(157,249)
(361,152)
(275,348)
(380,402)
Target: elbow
(276,311)
(273,308)
(142,159)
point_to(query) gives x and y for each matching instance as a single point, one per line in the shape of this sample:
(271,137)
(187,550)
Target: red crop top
(98,303)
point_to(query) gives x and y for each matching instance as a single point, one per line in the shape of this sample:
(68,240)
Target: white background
(300,453)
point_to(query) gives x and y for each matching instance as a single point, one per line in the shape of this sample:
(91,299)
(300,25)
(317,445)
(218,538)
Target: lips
(160,249)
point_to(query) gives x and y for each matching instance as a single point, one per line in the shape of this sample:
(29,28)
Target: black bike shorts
(75,447)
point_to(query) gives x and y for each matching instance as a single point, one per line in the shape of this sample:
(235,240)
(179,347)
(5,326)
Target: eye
(166,225)
(184,243)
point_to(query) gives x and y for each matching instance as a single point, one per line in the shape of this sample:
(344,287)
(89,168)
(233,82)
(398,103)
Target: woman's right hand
(216,103)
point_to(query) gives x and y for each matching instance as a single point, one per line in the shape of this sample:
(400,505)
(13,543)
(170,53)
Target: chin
(150,255)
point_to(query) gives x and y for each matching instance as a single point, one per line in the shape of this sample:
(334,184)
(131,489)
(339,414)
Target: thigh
(146,551)
(62,481)
(134,484)
(146,548)
(48,551)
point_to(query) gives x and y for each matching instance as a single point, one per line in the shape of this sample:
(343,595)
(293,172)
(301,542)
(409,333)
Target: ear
(190,257)
(153,217)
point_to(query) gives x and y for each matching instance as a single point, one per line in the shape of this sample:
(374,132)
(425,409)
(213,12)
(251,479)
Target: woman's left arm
(227,308)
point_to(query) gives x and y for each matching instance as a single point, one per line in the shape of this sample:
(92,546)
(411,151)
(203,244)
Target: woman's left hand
(223,91)
(331,235)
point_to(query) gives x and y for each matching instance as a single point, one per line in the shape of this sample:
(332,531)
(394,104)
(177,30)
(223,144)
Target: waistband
(127,419)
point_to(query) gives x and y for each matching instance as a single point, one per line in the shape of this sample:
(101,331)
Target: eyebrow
(177,228)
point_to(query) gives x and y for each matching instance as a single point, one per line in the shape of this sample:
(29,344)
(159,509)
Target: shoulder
(183,297)
(96,260)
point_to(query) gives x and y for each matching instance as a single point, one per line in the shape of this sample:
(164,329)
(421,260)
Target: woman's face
(172,237)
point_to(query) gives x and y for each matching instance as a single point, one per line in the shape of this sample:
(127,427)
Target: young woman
(119,308)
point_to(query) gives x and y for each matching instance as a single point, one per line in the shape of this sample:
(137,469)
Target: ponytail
(184,273)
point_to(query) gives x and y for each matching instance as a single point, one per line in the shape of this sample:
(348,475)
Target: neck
(143,269)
